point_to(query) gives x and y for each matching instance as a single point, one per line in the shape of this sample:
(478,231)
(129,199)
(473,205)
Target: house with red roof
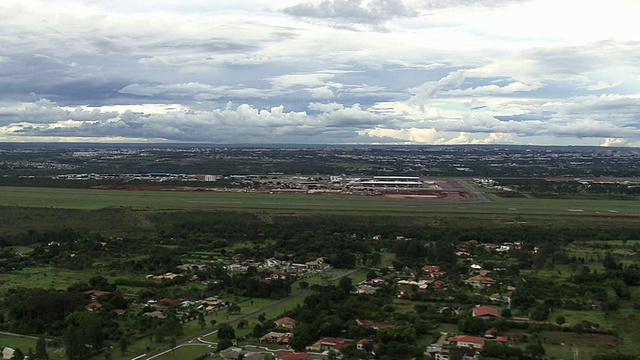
(485,312)
(94,294)
(93,306)
(363,344)
(293,356)
(169,302)
(480,281)
(474,342)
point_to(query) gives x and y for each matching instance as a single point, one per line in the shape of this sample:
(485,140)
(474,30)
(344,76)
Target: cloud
(426,91)
(326,108)
(493,89)
(369,12)
(307,80)
(321,93)
(432,71)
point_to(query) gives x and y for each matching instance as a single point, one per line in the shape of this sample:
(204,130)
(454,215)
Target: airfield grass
(92,199)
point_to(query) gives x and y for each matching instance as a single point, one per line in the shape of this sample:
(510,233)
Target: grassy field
(185,352)
(24,344)
(164,200)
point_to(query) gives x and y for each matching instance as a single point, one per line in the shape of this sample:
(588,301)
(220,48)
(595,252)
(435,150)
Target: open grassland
(514,210)
(42,277)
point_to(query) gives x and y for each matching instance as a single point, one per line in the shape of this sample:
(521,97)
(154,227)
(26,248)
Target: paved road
(196,339)
(480,196)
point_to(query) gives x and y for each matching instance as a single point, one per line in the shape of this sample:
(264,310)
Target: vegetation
(114,274)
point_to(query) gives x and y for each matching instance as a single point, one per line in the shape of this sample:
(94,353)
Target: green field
(186,352)
(26,343)
(177,200)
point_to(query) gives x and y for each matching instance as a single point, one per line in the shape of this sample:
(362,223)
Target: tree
(346,284)
(506,312)
(225,331)
(560,320)
(224,344)
(41,350)
(18,354)
(201,321)
(303,334)
(124,344)
(536,349)
(303,284)
(376,259)
(539,313)
(608,262)
(471,325)
(371,275)
(75,343)
(344,260)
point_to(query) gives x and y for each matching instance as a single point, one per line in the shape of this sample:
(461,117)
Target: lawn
(185,352)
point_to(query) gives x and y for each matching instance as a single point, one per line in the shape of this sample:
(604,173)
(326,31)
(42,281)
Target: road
(196,339)
(480,196)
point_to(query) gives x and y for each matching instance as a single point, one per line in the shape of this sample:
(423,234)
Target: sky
(441,72)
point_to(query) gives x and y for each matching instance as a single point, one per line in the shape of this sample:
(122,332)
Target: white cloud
(321,93)
(435,71)
(326,108)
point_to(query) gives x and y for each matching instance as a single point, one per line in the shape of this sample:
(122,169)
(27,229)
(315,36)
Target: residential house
(485,312)
(155,314)
(212,303)
(293,356)
(365,289)
(480,281)
(278,275)
(234,353)
(330,344)
(474,342)
(430,269)
(285,323)
(169,302)
(276,338)
(94,294)
(271,263)
(363,344)
(496,298)
(455,353)
(7,353)
(166,276)
(92,306)
(379,281)
(421,284)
